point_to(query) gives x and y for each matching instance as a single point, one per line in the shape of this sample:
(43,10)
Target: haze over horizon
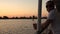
(21,8)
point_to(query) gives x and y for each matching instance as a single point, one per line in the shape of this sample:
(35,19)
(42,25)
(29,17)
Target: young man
(51,10)
(51,17)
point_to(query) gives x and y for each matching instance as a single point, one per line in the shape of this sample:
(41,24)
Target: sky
(44,11)
(19,8)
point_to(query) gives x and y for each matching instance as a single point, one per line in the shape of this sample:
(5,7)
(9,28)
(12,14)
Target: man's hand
(35,26)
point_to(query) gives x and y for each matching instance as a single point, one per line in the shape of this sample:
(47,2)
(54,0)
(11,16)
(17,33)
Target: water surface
(17,26)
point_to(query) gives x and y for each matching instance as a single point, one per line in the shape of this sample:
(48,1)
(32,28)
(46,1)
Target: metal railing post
(39,16)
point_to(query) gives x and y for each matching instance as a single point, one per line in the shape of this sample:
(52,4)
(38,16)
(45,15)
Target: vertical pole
(39,16)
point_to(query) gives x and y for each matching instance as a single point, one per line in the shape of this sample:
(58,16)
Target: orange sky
(44,11)
(20,8)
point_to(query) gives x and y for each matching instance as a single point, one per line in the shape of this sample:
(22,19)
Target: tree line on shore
(24,17)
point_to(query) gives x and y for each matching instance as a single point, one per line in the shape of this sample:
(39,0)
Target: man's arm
(46,23)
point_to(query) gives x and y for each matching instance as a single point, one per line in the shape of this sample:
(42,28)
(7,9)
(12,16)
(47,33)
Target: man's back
(56,23)
(57,17)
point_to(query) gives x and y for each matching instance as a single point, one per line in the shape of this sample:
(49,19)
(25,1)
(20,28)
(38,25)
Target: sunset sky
(21,8)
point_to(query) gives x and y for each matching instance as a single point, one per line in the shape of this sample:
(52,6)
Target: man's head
(50,5)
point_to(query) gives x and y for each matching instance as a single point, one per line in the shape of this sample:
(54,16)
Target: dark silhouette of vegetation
(24,17)
(44,18)
(0,17)
(30,17)
(34,17)
(5,17)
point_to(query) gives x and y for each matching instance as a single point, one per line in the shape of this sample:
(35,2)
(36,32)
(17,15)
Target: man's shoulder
(53,11)
(52,14)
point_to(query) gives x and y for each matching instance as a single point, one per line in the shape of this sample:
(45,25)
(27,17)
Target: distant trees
(34,17)
(44,18)
(30,17)
(0,17)
(5,17)
(24,17)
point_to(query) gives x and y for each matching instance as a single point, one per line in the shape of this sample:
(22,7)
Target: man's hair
(51,3)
